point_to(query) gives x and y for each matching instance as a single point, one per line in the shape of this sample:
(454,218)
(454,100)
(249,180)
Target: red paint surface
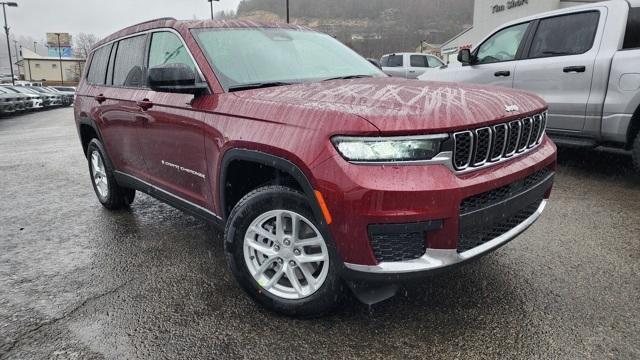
(296,123)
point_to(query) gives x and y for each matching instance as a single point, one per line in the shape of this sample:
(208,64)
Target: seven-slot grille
(491,144)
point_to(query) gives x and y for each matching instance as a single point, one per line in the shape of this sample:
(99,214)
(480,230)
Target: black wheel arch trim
(278,163)
(87,120)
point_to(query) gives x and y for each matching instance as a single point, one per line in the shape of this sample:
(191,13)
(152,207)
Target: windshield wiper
(347,77)
(257,85)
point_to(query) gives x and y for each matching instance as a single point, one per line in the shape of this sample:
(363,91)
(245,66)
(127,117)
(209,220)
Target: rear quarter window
(98,66)
(632,35)
(394,61)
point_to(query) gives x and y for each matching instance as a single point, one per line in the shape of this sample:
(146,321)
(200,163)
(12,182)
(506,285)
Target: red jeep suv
(325,173)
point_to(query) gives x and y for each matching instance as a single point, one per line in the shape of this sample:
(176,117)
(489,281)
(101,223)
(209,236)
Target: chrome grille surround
(520,136)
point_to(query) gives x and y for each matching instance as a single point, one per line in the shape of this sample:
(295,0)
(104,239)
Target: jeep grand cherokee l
(323,171)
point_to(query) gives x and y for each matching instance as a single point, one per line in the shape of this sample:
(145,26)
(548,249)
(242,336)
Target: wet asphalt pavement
(77,281)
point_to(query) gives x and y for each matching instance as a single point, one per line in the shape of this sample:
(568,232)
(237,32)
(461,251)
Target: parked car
(321,169)
(22,102)
(8,102)
(582,60)
(55,99)
(409,65)
(46,99)
(66,96)
(30,101)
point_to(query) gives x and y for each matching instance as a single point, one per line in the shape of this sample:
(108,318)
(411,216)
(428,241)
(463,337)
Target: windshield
(258,55)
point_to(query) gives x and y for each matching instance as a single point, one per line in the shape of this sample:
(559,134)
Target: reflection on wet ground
(77,281)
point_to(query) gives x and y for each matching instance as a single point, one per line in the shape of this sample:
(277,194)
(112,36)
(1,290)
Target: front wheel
(279,256)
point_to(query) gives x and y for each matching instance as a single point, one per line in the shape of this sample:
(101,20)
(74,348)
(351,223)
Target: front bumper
(438,259)
(35,104)
(361,196)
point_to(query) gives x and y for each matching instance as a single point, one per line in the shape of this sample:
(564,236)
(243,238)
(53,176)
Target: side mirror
(175,78)
(465,57)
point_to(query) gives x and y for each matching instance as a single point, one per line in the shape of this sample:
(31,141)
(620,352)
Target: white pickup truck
(408,65)
(583,60)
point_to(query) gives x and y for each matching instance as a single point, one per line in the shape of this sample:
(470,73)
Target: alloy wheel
(286,254)
(99,174)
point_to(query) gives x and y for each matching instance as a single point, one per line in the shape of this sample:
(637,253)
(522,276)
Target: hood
(406,106)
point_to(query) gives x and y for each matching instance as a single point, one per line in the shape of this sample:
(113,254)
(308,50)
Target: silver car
(582,60)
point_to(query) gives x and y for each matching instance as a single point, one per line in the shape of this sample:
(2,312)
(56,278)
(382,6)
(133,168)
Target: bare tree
(82,44)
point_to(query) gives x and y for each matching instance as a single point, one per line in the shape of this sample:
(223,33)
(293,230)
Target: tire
(635,153)
(260,208)
(109,193)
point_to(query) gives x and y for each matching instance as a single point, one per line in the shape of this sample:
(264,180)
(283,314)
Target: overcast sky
(101,17)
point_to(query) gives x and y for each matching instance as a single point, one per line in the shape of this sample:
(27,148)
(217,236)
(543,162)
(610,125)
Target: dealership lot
(79,282)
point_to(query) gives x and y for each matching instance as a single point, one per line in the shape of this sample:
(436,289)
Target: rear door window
(418,61)
(128,70)
(98,67)
(565,35)
(632,35)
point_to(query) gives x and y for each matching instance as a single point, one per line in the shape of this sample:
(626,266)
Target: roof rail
(152,20)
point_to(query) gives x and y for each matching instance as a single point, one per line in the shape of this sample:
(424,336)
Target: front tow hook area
(371,294)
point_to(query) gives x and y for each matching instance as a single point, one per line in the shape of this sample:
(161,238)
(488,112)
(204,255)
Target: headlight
(389,149)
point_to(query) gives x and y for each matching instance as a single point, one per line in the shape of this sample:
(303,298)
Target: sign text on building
(508,5)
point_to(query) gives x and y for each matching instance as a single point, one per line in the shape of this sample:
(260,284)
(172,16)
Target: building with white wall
(35,67)
(490,14)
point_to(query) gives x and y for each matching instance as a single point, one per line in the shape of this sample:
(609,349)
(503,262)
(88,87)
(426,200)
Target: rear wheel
(109,193)
(279,256)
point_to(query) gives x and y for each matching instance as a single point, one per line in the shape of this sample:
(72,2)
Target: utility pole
(287,11)
(15,48)
(6,31)
(211,5)
(35,48)
(60,59)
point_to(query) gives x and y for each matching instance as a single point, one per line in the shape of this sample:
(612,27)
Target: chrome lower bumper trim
(439,258)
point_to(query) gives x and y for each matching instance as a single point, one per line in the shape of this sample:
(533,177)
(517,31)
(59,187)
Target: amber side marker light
(323,207)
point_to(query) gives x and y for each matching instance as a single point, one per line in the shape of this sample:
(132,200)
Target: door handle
(412,71)
(100,98)
(502,73)
(576,69)
(145,104)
